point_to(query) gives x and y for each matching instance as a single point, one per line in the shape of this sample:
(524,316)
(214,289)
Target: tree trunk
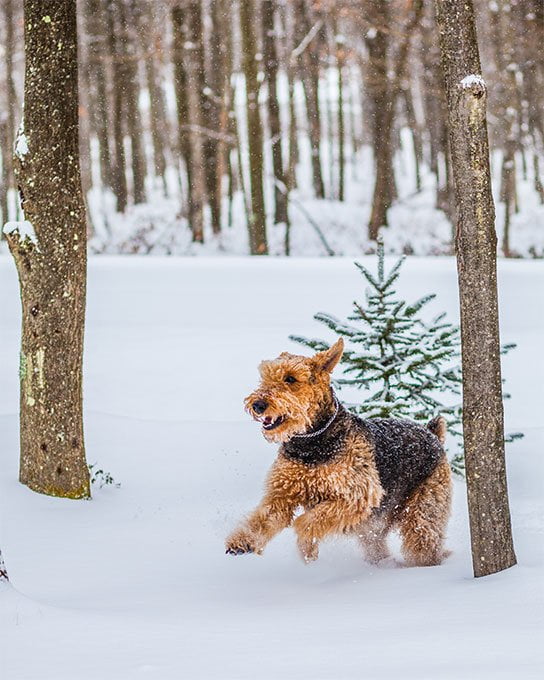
(49,250)
(180,86)
(158,119)
(211,91)
(11,109)
(271,66)
(340,63)
(309,74)
(476,244)
(377,78)
(129,17)
(193,65)
(257,217)
(119,177)
(96,31)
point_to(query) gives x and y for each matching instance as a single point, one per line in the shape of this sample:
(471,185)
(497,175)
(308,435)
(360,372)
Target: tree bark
(476,245)
(119,177)
(257,217)
(11,107)
(130,16)
(96,31)
(271,66)
(49,250)
(309,75)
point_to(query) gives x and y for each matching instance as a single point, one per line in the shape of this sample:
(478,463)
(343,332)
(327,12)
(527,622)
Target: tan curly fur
(343,495)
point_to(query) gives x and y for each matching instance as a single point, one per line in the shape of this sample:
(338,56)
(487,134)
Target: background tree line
(204,100)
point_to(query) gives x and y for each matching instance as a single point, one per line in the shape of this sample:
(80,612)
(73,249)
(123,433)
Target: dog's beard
(294,418)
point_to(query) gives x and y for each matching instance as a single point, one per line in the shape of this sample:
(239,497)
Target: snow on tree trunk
(476,245)
(49,249)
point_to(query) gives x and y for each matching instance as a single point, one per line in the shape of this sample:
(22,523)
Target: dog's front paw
(309,550)
(241,542)
(308,545)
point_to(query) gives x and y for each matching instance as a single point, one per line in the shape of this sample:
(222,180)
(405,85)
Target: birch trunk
(476,245)
(49,250)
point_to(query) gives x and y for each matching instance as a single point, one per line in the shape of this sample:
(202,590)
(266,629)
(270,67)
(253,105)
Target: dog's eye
(290,379)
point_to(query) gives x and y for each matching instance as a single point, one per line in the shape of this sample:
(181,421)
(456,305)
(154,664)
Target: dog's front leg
(270,517)
(328,517)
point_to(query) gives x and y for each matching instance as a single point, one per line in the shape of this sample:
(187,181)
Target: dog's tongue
(267,420)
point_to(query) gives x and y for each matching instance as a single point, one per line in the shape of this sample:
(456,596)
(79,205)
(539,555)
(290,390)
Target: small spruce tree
(405,363)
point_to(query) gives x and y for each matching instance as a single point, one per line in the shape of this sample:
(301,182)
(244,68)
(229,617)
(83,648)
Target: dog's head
(293,391)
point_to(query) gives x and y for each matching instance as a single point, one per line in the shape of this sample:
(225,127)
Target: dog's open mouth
(269,424)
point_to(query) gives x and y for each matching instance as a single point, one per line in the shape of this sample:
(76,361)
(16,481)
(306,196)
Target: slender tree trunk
(119,177)
(5,150)
(415,131)
(221,23)
(193,64)
(49,250)
(293,154)
(158,119)
(211,88)
(11,108)
(340,64)
(257,217)
(476,243)
(307,36)
(129,17)
(84,120)
(180,84)
(377,79)
(96,31)
(271,66)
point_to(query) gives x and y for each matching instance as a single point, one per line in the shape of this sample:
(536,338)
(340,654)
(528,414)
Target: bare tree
(476,245)
(49,249)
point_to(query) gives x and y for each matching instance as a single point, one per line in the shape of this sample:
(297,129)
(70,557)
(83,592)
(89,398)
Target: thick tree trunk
(49,249)
(476,242)
(257,217)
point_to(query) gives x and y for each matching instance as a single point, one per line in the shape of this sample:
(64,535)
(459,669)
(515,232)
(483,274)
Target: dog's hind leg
(423,520)
(372,536)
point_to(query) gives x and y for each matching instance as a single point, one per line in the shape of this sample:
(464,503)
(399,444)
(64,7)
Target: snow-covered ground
(135,584)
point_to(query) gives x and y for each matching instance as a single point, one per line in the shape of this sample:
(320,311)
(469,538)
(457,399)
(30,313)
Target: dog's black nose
(259,406)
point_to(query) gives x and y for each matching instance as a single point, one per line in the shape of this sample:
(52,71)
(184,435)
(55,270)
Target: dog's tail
(438,427)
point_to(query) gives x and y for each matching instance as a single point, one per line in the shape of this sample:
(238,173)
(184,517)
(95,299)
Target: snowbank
(135,583)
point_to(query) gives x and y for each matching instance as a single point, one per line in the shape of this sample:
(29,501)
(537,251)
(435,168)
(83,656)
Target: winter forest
(271,319)
(286,126)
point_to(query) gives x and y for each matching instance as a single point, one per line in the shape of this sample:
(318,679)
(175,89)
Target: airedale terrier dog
(348,475)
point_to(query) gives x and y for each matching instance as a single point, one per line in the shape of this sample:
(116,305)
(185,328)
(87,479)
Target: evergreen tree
(406,364)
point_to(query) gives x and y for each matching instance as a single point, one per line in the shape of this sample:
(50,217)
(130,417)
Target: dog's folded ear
(327,360)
